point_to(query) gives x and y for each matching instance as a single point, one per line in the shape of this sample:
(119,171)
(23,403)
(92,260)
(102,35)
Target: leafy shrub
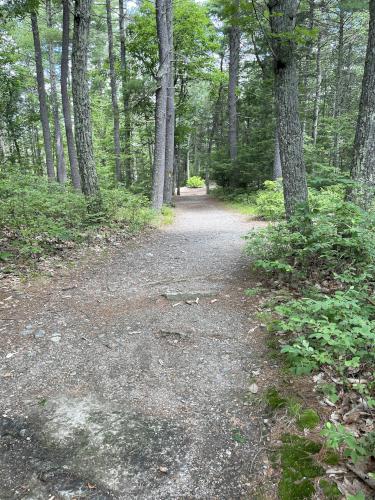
(269,202)
(336,238)
(328,258)
(337,330)
(39,218)
(195,182)
(356,449)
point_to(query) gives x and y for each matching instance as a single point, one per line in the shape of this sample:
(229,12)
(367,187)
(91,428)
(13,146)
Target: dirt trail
(111,390)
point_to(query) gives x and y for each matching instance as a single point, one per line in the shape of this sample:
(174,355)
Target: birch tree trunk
(43,108)
(170,126)
(61,168)
(363,165)
(161,107)
(65,97)
(125,95)
(81,103)
(115,111)
(283,16)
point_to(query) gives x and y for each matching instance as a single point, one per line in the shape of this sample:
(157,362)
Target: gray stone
(39,334)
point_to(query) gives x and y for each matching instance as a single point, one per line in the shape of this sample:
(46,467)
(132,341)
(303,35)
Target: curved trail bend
(109,389)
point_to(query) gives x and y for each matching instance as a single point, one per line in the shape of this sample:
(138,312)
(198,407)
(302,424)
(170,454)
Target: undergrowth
(38,218)
(195,182)
(326,259)
(268,203)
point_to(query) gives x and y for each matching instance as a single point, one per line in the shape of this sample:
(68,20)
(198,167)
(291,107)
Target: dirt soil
(130,376)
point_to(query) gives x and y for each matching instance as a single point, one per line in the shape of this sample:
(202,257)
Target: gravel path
(130,377)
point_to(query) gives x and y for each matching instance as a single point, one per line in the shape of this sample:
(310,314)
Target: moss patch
(299,468)
(308,419)
(274,399)
(331,457)
(329,489)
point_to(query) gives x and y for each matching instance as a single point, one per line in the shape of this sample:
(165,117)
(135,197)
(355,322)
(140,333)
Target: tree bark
(115,110)
(306,66)
(61,168)
(43,109)
(125,93)
(170,125)
(363,165)
(81,103)
(283,16)
(65,97)
(161,107)
(338,89)
(234,57)
(277,170)
(318,87)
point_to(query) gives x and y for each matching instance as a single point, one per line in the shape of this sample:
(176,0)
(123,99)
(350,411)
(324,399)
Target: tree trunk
(234,57)
(161,106)
(81,103)
(125,93)
(65,97)
(283,16)
(170,126)
(43,109)
(338,89)
(115,111)
(61,168)
(318,86)
(277,170)
(188,159)
(306,66)
(363,165)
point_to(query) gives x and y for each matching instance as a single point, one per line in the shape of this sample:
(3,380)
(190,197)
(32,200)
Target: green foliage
(329,253)
(337,331)
(39,218)
(354,448)
(337,238)
(269,202)
(195,182)
(167,215)
(357,496)
(238,199)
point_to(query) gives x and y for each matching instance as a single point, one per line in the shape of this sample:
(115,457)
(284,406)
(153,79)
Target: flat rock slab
(133,397)
(177,296)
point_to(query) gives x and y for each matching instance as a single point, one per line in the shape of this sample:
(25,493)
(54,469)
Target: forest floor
(136,373)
